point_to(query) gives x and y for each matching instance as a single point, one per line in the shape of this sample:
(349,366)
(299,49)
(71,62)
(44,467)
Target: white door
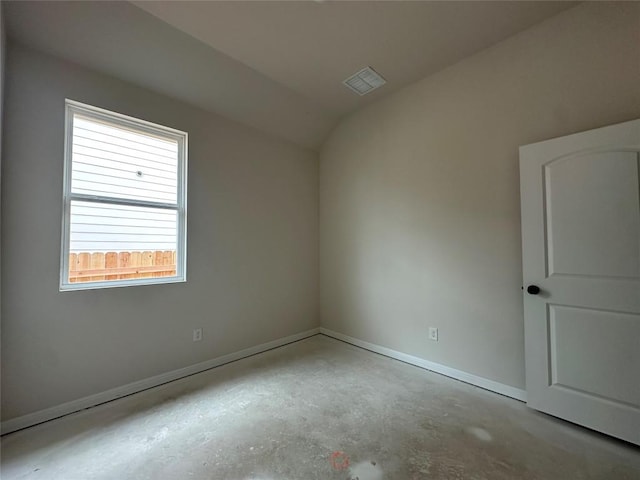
(580,200)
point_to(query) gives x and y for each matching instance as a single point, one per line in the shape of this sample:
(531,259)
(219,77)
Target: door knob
(533,290)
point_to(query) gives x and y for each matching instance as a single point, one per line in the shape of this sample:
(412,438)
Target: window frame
(117,119)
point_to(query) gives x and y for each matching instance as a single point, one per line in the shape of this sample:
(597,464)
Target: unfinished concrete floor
(315,409)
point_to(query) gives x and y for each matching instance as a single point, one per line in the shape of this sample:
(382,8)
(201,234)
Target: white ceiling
(312,46)
(274,65)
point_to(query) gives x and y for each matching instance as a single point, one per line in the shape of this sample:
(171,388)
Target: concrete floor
(315,409)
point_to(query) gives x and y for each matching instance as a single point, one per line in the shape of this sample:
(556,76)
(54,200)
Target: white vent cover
(365,81)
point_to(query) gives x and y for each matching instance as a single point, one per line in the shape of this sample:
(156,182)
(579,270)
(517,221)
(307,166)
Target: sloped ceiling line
(277,66)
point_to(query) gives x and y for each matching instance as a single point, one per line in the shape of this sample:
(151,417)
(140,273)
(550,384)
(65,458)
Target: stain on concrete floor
(284,413)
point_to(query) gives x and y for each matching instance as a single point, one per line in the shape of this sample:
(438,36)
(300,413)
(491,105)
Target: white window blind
(124,201)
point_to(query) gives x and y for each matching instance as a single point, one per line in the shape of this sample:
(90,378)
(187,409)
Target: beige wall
(252,246)
(3,45)
(419,216)
(3,42)
(419,200)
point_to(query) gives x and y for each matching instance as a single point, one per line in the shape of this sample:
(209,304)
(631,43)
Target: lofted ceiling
(273,65)
(312,46)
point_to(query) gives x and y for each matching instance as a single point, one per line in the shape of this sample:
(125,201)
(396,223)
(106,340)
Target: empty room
(315,239)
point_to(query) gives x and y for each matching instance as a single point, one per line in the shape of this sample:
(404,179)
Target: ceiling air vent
(365,81)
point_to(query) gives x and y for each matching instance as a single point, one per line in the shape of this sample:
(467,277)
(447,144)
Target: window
(124,212)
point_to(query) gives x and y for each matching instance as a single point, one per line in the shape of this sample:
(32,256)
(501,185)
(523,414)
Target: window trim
(72,107)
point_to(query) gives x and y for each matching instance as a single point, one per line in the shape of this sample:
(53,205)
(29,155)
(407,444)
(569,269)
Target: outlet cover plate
(197,334)
(433,334)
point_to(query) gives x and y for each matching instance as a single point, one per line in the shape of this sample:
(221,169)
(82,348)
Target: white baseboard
(92,400)
(481,382)
(118,392)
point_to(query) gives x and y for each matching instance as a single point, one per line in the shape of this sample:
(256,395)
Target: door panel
(580,200)
(593,215)
(586,344)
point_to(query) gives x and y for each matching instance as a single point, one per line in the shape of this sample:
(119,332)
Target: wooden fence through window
(92,267)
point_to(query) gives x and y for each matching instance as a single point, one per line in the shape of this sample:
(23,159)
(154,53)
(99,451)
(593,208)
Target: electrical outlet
(197,334)
(433,334)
